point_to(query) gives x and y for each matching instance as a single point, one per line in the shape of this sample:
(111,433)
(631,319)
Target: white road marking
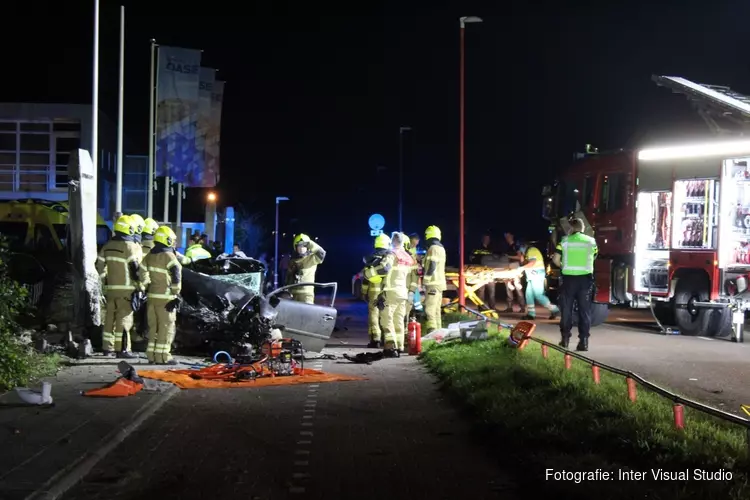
(307,424)
(302,452)
(310,410)
(304,442)
(301,463)
(300,475)
(306,433)
(307,416)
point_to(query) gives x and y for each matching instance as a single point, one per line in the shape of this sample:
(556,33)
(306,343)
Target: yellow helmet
(138,222)
(300,238)
(150,226)
(165,236)
(124,225)
(382,241)
(433,232)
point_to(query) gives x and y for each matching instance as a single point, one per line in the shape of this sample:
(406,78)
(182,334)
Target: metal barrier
(631,379)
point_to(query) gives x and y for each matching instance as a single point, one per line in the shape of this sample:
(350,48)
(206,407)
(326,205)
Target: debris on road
(186,379)
(126,385)
(31,397)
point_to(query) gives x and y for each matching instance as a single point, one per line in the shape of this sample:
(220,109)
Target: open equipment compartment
(696,215)
(735,209)
(652,236)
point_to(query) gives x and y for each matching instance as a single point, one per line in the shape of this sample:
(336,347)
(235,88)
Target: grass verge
(541,416)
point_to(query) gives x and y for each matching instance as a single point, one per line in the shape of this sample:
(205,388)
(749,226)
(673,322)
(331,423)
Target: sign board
(376,222)
(375,232)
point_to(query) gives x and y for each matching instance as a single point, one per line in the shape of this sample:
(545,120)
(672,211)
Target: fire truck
(672,223)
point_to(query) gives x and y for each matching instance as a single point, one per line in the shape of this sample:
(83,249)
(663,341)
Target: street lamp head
(212,196)
(470,19)
(404,129)
(281,198)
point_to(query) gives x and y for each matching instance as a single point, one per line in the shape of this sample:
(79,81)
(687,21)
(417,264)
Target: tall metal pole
(401,131)
(95,93)
(166,200)
(178,215)
(151,118)
(461,256)
(120,115)
(276,250)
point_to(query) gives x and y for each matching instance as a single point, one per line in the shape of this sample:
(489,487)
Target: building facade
(35,145)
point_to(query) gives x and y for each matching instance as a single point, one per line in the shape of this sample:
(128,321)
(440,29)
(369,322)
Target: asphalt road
(390,436)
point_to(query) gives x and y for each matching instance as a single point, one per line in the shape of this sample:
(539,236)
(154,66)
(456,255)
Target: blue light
(376,222)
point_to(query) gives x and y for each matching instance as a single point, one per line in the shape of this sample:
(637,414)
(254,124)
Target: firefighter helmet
(138,223)
(433,232)
(150,226)
(300,239)
(165,236)
(124,225)
(382,241)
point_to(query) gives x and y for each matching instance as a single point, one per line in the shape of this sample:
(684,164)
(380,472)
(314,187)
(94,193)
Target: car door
(311,324)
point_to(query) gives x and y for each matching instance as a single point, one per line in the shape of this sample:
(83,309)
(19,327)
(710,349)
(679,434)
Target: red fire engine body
(671,226)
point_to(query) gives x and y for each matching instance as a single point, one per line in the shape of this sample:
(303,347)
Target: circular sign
(376,222)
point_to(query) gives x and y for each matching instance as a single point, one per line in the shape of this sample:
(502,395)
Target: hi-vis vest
(533,254)
(161,272)
(578,252)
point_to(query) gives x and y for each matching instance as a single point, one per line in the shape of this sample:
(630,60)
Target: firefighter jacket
(302,268)
(147,243)
(402,277)
(118,263)
(476,255)
(195,252)
(378,266)
(161,273)
(434,265)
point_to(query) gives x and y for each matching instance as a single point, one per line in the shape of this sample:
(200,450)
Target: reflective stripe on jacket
(434,265)
(118,263)
(161,273)
(577,254)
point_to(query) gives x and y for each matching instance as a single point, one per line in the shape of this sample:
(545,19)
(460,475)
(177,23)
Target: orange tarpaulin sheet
(182,380)
(117,389)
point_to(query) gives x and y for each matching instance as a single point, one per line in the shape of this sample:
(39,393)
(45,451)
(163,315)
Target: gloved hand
(410,297)
(137,300)
(173,304)
(381,302)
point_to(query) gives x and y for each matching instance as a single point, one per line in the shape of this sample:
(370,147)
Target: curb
(61,482)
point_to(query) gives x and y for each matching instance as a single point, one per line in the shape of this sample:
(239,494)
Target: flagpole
(166,200)
(120,115)
(151,118)
(95,93)
(178,216)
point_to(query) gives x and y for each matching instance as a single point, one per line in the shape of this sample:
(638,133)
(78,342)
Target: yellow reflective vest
(434,266)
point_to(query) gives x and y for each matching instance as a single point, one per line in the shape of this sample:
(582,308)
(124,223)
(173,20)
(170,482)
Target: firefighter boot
(374,344)
(124,354)
(583,345)
(564,341)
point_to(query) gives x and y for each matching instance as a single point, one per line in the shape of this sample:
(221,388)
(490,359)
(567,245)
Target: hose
(662,329)
(229,358)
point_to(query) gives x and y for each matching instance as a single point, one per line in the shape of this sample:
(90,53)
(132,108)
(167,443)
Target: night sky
(314,101)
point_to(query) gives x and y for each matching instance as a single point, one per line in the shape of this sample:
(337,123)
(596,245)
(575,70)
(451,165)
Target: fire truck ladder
(716,104)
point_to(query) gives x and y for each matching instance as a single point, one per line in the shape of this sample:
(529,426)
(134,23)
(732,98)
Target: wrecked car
(218,312)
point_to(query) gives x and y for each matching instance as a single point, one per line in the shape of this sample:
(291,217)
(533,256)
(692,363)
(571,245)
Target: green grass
(544,416)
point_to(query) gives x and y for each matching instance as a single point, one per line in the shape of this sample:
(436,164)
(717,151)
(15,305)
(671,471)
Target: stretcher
(476,277)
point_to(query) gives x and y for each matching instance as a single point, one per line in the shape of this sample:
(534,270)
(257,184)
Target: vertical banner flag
(199,176)
(177,85)
(213,137)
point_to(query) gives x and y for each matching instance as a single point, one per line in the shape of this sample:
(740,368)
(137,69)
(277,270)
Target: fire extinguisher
(415,336)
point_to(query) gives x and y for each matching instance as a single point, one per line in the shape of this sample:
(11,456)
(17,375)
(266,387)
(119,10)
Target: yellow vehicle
(40,225)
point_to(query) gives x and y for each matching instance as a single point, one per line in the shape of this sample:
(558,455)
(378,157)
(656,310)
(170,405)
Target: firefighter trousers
(433,304)
(118,321)
(373,313)
(392,321)
(162,326)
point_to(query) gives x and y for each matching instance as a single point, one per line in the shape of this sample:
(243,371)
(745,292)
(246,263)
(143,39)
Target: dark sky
(314,102)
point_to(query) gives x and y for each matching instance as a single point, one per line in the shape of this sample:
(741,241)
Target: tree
(249,232)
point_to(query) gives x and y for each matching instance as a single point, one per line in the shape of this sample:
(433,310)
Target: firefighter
(575,256)
(161,273)
(376,267)
(399,285)
(487,292)
(513,287)
(194,252)
(117,264)
(302,266)
(147,238)
(535,274)
(434,278)
(410,245)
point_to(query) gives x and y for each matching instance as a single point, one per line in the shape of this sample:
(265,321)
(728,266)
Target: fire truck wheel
(691,320)
(719,323)
(665,314)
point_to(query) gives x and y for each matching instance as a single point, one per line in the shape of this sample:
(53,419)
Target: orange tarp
(117,389)
(183,380)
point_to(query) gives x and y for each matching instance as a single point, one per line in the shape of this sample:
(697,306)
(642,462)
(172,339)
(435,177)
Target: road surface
(390,436)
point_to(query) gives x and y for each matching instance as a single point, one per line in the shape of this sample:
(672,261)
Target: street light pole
(276,245)
(120,117)
(461,230)
(401,131)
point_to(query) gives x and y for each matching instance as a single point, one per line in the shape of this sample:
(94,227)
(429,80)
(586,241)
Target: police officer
(194,252)
(147,237)
(487,292)
(399,286)
(161,273)
(575,256)
(117,264)
(302,266)
(376,267)
(434,278)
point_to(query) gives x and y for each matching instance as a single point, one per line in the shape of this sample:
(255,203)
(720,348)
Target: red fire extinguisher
(415,337)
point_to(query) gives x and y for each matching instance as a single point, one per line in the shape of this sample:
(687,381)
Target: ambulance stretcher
(476,277)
